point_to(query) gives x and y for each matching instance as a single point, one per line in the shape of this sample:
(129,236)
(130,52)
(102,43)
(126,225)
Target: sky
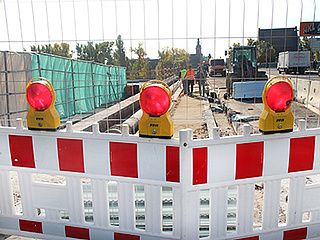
(155,23)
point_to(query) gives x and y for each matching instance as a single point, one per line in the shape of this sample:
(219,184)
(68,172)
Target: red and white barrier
(186,166)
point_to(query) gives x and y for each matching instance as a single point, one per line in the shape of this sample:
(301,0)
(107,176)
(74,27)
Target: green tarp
(80,86)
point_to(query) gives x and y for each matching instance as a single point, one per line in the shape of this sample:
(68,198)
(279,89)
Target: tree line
(114,53)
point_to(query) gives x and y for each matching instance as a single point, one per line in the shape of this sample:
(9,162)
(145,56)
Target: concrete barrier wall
(307,92)
(314,96)
(302,90)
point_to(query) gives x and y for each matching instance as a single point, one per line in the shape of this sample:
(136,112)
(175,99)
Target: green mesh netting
(80,86)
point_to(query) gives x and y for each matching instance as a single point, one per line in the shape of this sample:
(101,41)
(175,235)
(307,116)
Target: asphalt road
(311,75)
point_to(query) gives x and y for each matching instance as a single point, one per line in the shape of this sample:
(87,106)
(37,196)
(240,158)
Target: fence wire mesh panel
(99,53)
(229,40)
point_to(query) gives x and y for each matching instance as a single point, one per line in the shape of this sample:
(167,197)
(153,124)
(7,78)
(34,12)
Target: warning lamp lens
(279,96)
(39,96)
(155,101)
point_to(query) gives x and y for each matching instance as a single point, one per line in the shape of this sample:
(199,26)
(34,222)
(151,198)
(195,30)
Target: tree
(170,57)
(140,65)
(100,52)
(62,49)
(120,53)
(85,52)
(139,51)
(251,42)
(317,55)
(266,52)
(305,45)
(105,53)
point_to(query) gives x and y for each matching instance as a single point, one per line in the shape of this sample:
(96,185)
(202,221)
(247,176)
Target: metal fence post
(66,87)
(185,160)
(73,90)
(39,66)
(93,96)
(7,86)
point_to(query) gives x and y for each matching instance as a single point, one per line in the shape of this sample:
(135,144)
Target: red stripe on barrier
(200,166)
(295,234)
(21,150)
(301,156)
(76,232)
(249,238)
(30,226)
(70,154)
(122,236)
(172,164)
(249,160)
(123,159)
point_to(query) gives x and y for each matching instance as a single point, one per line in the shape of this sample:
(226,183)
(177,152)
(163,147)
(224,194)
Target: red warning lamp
(41,97)
(155,101)
(277,98)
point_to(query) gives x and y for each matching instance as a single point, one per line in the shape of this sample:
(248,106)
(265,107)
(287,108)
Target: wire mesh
(147,29)
(159,38)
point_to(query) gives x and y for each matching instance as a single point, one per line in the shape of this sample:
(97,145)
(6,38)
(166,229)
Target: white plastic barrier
(204,187)
(100,160)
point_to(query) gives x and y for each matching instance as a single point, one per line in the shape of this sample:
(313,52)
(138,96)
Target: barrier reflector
(70,154)
(76,232)
(301,156)
(123,159)
(30,226)
(122,236)
(172,164)
(200,165)
(249,160)
(21,150)
(295,234)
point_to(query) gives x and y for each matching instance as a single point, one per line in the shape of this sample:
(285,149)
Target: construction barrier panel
(107,186)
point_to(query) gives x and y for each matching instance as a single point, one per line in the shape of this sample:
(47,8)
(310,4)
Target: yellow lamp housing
(277,98)
(41,97)
(155,101)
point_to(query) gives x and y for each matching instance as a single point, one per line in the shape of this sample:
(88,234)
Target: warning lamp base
(156,127)
(272,132)
(163,137)
(48,120)
(276,122)
(43,129)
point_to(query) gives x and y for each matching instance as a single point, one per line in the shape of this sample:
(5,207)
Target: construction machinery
(243,67)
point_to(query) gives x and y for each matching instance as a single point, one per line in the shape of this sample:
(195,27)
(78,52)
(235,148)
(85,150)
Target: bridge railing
(109,186)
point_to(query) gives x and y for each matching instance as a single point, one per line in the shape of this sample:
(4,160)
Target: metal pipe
(7,85)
